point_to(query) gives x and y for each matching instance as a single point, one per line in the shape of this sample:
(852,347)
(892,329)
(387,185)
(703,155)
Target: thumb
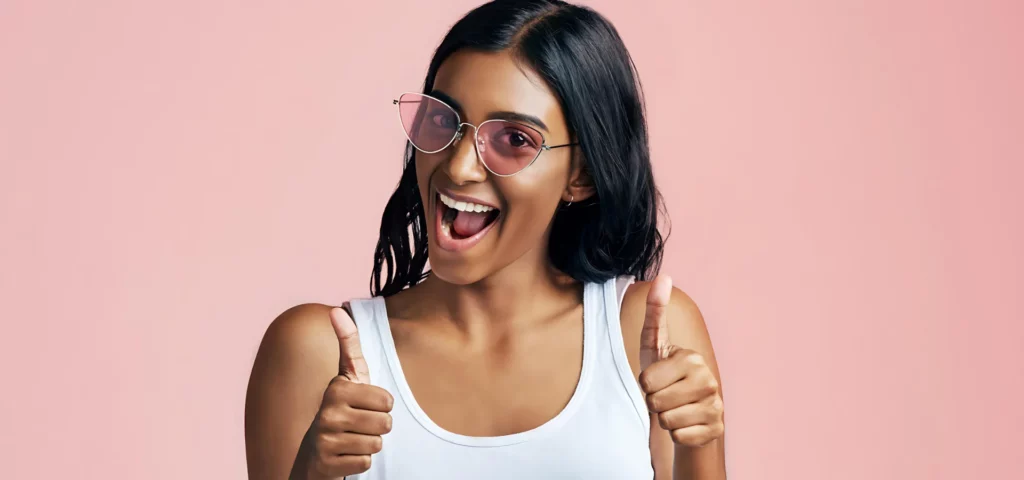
(352,364)
(654,343)
(654,346)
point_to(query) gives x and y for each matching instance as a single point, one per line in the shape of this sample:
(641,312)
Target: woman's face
(464,247)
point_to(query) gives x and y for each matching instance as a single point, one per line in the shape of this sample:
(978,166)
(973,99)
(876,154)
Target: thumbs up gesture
(682,392)
(353,414)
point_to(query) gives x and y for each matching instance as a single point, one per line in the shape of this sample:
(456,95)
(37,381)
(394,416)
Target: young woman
(538,344)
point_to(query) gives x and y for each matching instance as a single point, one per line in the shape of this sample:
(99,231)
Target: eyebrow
(500,115)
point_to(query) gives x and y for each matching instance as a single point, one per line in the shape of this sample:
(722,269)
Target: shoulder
(686,323)
(300,339)
(683,311)
(306,325)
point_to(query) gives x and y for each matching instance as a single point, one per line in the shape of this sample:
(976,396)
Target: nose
(464,166)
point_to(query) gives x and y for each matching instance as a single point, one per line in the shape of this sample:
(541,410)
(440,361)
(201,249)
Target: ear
(581,185)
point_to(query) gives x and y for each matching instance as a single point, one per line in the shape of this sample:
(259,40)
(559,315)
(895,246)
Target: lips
(456,215)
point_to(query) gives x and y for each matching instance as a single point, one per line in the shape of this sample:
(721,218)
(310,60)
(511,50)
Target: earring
(571,198)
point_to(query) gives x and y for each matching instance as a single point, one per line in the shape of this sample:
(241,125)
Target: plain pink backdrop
(842,179)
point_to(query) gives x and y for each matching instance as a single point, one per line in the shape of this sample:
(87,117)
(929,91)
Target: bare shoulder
(303,334)
(299,350)
(686,324)
(684,316)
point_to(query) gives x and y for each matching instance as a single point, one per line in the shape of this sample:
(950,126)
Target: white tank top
(602,433)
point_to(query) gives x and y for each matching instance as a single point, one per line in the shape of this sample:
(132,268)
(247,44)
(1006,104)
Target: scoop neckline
(551,425)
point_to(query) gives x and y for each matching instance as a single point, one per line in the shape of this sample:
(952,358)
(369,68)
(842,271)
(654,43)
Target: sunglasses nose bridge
(459,132)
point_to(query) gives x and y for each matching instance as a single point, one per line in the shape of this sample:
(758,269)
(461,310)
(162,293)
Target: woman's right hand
(353,414)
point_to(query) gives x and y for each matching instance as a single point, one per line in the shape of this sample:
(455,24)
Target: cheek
(531,202)
(425,167)
(541,185)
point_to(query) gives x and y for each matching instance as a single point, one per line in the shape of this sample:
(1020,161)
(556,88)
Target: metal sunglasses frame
(476,129)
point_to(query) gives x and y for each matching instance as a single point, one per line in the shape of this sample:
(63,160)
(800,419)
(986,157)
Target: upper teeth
(464,206)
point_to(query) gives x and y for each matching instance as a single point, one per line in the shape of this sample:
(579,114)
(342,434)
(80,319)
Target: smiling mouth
(462,224)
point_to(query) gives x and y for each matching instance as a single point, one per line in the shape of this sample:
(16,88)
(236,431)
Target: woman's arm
(296,361)
(687,330)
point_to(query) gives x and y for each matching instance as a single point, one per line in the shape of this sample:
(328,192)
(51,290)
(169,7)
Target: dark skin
(472,311)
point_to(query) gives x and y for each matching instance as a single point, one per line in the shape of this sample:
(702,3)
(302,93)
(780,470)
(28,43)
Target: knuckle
(352,364)
(338,382)
(332,390)
(709,386)
(323,417)
(337,390)
(654,403)
(645,381)
(387,423)
(693,358)
(678,437)
(664,421)
(364,463)
(718,407)
(331,417)
(377,444)
(322,444)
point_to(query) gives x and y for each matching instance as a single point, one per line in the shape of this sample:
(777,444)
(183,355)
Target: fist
(353,414)
(682,391)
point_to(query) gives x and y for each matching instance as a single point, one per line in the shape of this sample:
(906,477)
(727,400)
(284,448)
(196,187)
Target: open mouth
(462,224)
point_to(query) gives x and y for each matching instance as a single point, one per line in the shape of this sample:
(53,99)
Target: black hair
(584,61)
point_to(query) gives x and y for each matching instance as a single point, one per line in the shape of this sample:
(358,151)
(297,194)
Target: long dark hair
(581,57)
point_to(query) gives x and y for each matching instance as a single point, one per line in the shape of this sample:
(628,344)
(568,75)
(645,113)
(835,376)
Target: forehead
(485,82)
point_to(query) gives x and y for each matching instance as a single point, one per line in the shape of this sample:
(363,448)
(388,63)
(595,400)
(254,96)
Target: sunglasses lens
(429,124)
(507,147)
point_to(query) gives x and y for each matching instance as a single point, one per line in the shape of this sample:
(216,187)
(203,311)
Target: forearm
(699,463)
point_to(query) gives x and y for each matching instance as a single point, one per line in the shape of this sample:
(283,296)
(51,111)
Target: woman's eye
(442,120)
(517,139)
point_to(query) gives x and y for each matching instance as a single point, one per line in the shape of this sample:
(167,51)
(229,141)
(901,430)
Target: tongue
(467,224)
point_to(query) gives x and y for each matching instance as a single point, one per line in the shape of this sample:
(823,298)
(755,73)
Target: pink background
(842,178)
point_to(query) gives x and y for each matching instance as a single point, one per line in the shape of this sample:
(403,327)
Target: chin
(462,271)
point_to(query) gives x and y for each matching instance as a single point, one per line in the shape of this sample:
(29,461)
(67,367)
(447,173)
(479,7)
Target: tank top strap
(622,282)
(367,319)
(614,291)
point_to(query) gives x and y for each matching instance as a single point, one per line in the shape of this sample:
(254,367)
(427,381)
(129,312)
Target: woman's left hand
(682,391)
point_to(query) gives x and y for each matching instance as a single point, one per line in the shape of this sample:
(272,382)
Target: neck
(516,297)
